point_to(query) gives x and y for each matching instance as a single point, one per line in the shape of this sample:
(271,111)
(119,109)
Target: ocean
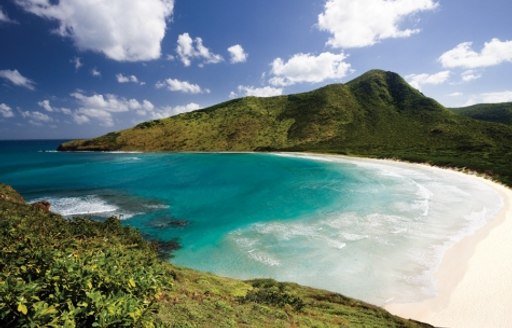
(372,230)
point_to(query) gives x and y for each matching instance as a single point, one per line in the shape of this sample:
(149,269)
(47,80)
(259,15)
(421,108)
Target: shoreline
(474,279)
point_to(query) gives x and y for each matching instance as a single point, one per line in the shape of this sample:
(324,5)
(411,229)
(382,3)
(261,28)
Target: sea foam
(88,205)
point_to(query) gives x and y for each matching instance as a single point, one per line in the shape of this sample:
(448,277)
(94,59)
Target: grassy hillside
(497,113)
(56,272)
(377,115)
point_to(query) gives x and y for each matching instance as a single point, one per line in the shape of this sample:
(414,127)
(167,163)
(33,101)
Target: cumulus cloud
(493,53)
(361,23)
(189,49)
(127,79)
(84,115)
(95,72)
(46,105)
(308,68)
(17,79)
(244,91)
(4,18)
(123,30)
(490,98)
(470,75)
(238,54)
(6,111)
(36,118)
(418,80)
(167,111)
(181,86)
(102,107)
(110,103)
(77,62)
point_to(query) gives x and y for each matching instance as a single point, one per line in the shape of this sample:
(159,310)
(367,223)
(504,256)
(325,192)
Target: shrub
(272,293)
(67,273)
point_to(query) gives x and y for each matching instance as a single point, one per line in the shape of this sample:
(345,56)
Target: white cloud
(238,54)
(171,111)
(123,30)
(82,119)
(95,72)
(66,111)
(181,86)
(109,102)
(456,94)
(309,68)
(127,79)
(255,91)
(77,62)
(189,49)
(185,48)
(490,98)
(17,79)
(6,111)
(85,114)
(36,118)
(470,75)
(102,107)
(361,23)
(46,105)
(418,80)
(49,108)
(4,18)
(493,53)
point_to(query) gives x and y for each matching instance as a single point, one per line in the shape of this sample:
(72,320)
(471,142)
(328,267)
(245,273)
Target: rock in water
(43,205)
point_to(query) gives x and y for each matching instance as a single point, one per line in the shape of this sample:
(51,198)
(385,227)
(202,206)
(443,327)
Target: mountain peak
(385,88)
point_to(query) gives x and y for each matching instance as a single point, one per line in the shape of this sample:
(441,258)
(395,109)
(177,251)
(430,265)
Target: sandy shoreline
(475,276)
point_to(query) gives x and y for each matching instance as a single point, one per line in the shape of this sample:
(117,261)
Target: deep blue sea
(372,230)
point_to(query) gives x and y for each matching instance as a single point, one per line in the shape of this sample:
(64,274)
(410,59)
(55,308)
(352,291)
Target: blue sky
(81,68)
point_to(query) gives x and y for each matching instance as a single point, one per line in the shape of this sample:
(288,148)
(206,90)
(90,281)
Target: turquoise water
(370,230)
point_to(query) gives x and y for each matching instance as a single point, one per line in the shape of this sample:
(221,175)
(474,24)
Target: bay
(375,231)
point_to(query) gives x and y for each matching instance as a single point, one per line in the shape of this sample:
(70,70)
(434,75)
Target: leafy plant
(68,273)
(270,292)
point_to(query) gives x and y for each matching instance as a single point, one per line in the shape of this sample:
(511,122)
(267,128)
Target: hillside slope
(377,114)
(497,113)
(56,272)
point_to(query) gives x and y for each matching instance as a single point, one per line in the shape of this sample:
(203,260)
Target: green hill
(498,113)
(56,272)
(377,115)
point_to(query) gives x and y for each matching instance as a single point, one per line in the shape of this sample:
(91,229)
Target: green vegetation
(376,115)
(205,300)
(60,273)
(497,113)
(56,272)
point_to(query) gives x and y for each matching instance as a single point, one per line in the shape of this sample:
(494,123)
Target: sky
(82,68)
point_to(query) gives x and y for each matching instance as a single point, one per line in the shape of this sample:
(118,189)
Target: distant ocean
(370,230)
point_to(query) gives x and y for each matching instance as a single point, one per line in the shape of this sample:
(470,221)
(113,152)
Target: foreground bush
(268,291)
(75,273)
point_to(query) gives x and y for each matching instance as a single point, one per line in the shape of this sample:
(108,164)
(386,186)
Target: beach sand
(475,277)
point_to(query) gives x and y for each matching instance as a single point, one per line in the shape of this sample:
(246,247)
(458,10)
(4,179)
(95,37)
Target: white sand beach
(475,277)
